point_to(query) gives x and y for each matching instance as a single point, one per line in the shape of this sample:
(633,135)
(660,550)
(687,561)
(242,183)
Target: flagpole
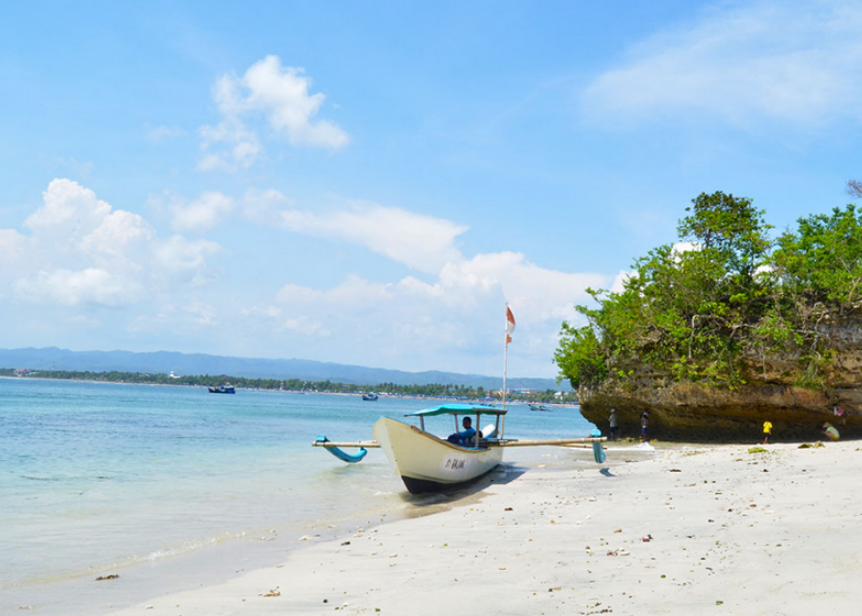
(505,367)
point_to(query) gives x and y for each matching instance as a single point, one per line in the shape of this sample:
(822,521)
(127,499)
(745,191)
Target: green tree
(686,309)
(822,261)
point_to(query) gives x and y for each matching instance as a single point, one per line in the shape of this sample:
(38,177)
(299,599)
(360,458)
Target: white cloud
(794,62)
(622,279)
(84,253)
(74,288)
(11,246)
(202,214)
(421,242)
(283,95)
(180,259)
(242,151)
(538,294)
(13,250)
(354,291)
(265,206)
(84,256)
(70,207)
(120,235)
(460,312)
(279,94)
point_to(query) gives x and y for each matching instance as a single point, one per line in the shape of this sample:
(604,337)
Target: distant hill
(197,363)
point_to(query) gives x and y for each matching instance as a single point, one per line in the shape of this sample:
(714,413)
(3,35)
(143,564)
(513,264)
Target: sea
(171,487)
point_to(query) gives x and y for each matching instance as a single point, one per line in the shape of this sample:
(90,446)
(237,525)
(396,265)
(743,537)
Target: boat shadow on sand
(501,475)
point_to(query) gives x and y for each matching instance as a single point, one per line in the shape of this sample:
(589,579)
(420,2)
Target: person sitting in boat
(465,436)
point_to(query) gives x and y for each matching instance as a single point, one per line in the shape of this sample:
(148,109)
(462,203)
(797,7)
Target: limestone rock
(694,412)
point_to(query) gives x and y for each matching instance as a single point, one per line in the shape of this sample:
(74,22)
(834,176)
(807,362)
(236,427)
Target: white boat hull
(426,463)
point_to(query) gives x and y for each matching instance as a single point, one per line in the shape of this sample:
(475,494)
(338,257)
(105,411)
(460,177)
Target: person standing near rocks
(767,431)
(840,413)
(614,422)
(644,426)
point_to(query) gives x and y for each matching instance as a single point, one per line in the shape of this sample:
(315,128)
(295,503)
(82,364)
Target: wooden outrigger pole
(336,444)
(554,442)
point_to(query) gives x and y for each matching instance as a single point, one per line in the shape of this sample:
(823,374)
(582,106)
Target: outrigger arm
(335,448)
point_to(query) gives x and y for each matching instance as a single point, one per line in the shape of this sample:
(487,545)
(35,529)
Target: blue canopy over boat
(458,409)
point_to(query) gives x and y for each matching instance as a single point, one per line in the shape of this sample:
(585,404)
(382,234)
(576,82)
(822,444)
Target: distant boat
(538,407)
(369,396)
(223,389)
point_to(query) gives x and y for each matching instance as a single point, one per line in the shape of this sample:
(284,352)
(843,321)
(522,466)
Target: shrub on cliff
(724,300)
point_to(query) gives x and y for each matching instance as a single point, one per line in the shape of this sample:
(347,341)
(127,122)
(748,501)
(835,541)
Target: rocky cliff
(694,412)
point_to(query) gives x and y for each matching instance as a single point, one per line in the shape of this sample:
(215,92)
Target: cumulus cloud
(452,305)
(461,310)
(280,95)
(120,236)
(13,248)
(541,293)
(202,214)
(11,245)
(241,146)
(74,288)
(794,62)
(82,252)
(180,259)
(424,243)
(68,207)
(264,206)
(84,259)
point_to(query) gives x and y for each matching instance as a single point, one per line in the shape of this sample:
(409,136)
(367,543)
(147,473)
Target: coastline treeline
(727,304)
(431,390)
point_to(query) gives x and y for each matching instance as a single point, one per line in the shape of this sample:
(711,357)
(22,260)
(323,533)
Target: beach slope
(697,530)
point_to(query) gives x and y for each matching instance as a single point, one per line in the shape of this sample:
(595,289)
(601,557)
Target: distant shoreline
(359,389)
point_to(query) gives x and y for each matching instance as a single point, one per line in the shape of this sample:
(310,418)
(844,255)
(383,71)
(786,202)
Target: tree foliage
(715,306)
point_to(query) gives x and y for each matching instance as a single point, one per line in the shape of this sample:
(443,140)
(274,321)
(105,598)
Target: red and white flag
(510,324)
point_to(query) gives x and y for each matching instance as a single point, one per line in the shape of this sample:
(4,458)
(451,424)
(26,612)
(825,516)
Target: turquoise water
(104,478)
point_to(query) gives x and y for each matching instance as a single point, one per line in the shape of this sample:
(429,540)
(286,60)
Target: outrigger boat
(427,463)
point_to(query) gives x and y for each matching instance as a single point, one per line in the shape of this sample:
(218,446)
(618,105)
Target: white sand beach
(694,530)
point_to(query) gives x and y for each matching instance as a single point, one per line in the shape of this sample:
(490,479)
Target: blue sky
(371,182)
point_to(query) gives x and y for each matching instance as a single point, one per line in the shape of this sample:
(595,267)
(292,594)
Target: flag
(510,324)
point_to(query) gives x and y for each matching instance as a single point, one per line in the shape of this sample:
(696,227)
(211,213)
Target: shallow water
(98,479)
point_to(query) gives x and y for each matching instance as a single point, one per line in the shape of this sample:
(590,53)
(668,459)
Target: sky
(371,182)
